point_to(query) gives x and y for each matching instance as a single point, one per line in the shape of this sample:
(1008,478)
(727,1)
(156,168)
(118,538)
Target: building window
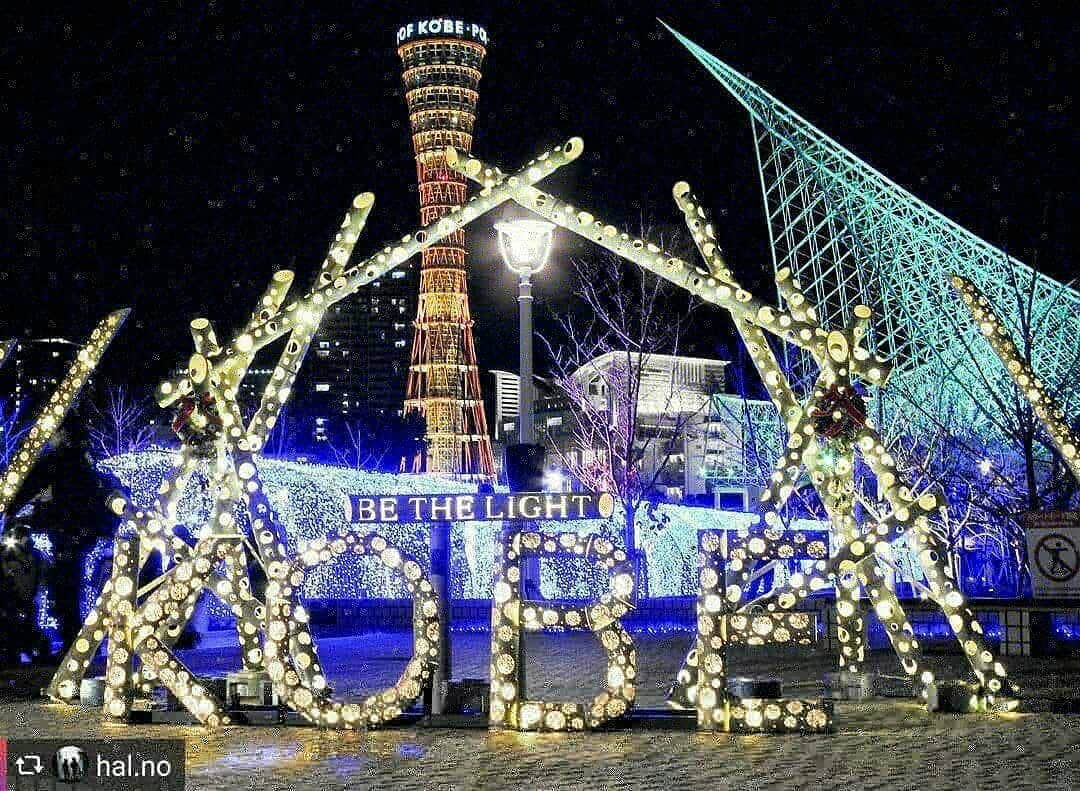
(322,387)
(553,421)
(731,500)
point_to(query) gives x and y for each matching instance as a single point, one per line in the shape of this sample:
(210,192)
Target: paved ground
(887,743)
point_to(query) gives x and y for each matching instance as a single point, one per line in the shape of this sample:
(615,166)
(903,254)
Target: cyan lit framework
(854,237)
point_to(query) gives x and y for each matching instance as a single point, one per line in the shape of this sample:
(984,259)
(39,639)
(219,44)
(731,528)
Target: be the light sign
(373,509)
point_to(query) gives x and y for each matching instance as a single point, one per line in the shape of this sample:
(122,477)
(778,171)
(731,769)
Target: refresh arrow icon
(25,759)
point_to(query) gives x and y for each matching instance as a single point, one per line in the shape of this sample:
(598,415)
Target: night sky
(171,158)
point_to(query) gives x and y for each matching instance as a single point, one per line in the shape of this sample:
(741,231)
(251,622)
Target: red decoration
(197,421)
(839,413)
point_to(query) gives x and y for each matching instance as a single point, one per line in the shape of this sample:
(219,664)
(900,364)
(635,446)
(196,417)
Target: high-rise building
(507,401)
(39,366)
(355,373)
(442,60)
(359,357)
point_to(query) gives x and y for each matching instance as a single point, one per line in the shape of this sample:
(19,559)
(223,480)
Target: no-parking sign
(1053,545)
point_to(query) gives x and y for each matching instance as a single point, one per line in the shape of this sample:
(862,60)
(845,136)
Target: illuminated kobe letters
(510,614)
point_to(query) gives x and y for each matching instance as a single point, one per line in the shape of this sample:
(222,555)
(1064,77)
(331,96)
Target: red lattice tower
(441,76)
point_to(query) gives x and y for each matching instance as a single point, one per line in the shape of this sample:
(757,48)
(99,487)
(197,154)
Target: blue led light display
(310,500)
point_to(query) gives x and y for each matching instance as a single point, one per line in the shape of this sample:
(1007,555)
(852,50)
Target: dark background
(170,157)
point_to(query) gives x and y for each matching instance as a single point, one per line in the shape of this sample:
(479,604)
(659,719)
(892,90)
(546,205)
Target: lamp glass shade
(525,244)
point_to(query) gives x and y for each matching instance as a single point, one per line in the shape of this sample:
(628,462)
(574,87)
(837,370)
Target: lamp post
(525,246)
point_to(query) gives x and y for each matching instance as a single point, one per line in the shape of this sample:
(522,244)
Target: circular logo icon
(70,764)
(1056,557)
(605,505)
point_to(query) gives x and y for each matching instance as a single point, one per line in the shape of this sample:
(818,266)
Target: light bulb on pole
(525,246)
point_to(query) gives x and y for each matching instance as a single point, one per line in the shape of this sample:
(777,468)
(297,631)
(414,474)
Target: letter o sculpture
(314,704)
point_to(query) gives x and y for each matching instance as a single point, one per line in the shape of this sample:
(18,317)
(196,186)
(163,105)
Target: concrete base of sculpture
(846,685)
(250,688)
(92,692)
(467,697)
(754,687)
(953,697)
(963,697)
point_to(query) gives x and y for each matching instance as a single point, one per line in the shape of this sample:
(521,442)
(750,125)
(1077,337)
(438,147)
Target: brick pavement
(883,744)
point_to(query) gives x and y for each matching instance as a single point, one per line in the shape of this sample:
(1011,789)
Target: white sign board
(1053,545)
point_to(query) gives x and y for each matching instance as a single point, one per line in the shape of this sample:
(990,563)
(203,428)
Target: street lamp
(525,246)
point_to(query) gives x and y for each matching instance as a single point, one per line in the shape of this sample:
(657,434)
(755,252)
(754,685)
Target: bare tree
(12,429)
(747,435)
(121,424)
(378,442)
(979,438)
(281,442)
(356,446)
(950,459)
(602,365)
